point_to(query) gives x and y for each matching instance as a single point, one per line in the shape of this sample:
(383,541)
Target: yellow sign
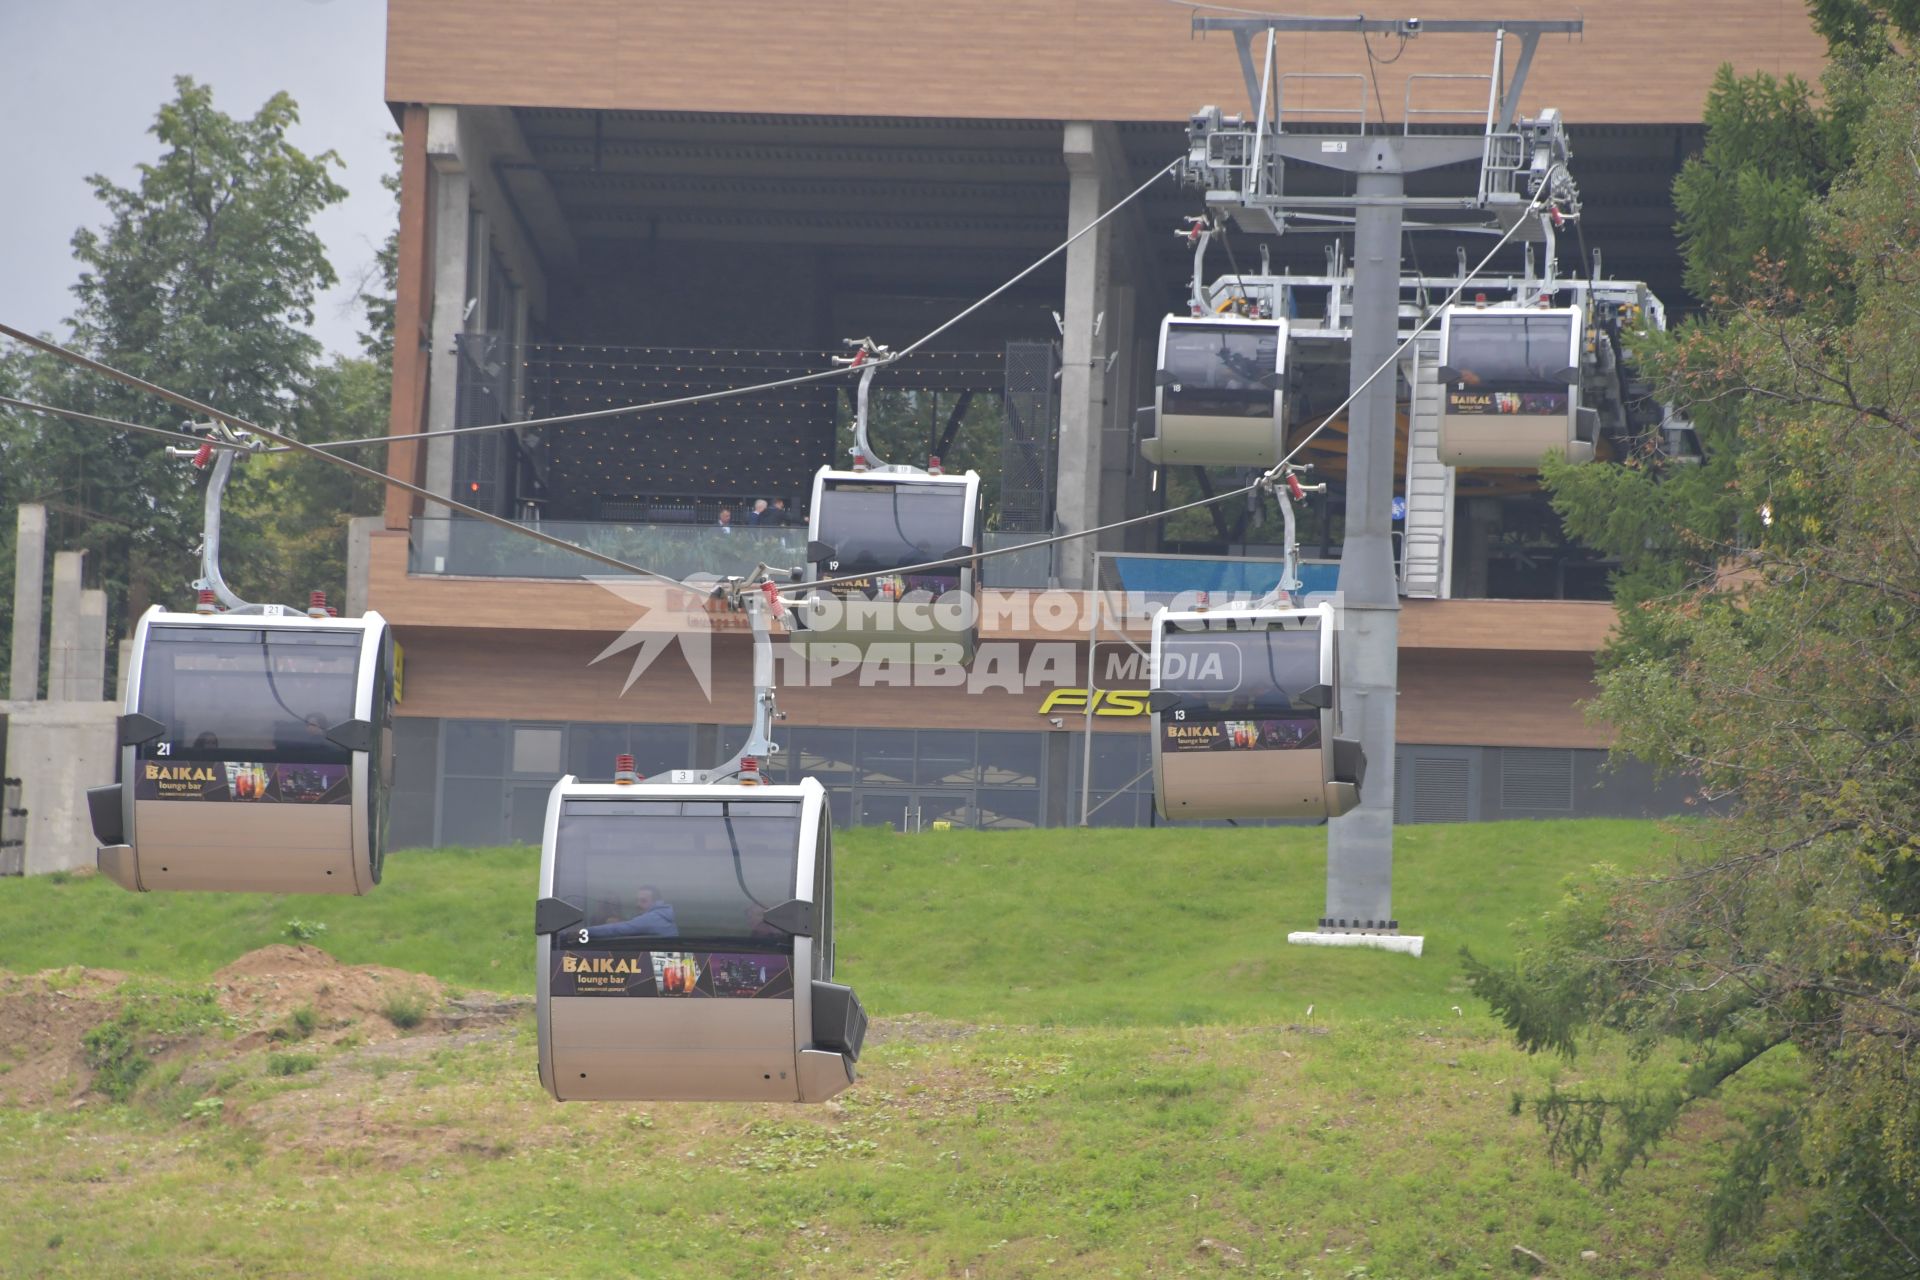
(1106,702)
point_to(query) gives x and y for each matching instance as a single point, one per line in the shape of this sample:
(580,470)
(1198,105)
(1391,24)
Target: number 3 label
(583,937)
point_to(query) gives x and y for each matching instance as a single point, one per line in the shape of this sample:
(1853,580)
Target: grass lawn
(1093,1058)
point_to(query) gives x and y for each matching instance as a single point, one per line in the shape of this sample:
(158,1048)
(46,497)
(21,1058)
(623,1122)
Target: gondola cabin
(686,946)
(1220,399)
(255,755)
(1511,378)
(869,526)
(1246,716)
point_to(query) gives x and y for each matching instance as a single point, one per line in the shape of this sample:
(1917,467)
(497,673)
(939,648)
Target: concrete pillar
(63,640)
(29,588)
(1360,844)
(58,751)
(1092,154)
(90,648)
(359,562)
(126,665)
(451,212)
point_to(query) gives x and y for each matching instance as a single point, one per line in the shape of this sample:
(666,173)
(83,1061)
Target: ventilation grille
(1441,789)
(1538,781)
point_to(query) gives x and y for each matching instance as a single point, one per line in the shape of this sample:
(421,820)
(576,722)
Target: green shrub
(302,1021)
(405,1009)
(291,1064)
(152,1016)
(305,930)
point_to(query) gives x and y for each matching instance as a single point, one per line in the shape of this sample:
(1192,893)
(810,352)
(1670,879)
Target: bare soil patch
(43,1017)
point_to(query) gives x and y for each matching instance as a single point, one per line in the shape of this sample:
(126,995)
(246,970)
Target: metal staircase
(1425,567)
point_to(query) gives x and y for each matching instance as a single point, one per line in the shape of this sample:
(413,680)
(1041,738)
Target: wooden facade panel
(1456,699)
(1497,700)
(520,675)
(1640,61)
(1536,626)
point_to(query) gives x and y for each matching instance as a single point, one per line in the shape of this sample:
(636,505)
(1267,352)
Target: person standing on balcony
(759,513)
(777,516)
(726,519)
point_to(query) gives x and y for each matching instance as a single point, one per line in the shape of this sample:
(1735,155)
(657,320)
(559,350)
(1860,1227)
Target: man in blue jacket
(651,918)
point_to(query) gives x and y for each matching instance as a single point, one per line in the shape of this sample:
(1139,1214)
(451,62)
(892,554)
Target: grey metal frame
(801,637)
(121,863)
(1337,796)
(1456,452)
(1163,449)
(812,1081)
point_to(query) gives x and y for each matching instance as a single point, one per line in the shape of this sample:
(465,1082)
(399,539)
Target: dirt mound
(276,996)
(263,989)
(43,1018)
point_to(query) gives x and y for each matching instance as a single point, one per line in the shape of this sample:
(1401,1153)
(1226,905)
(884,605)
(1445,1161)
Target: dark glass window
(1004,809)
(472,812)
(593,748)
(234,693)
(1214,671)
(874,526)
(476,748)
(701,872)
(826,754)
(658,748)
(886,755)
(945,758)
(1218,370)
(1120,761)
(1011,759)
(1510,351)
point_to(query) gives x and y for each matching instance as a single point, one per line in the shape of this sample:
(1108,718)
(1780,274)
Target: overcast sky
(80,81)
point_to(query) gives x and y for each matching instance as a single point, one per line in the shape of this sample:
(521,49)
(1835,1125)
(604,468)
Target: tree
(203,279)
(1782,671)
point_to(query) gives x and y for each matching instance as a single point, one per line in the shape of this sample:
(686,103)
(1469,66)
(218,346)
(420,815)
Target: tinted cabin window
(1216,370)
(237,693)
(877,526)
(718,865)
(1510,351)
(1261,672)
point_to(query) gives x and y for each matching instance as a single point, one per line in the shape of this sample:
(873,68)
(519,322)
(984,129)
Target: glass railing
(473,549)
(1164,576)
(455,547)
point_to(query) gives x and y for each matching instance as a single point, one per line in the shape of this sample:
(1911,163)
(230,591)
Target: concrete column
(451,293)
(29,588)
(63,640)
(1360,845)
(450,212)
(359,562)
(1092,153)
(90,649)
(58,751)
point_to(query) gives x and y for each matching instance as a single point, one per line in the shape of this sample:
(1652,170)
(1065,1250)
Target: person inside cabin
(726,519)
(651,918)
